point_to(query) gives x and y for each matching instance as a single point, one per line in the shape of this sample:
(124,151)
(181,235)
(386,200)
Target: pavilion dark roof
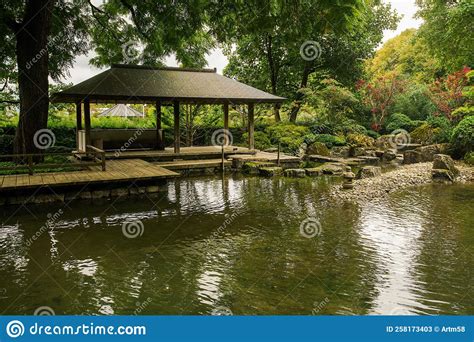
(132,84)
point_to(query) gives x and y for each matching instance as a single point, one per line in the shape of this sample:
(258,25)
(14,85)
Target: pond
(242,245)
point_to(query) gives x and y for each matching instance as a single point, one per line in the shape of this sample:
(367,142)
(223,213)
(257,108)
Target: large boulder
(295,173)
(340,151)
(369,171)
(314,171)
(318,148)
(270,171)
(412,157)
(333,168)
(428,152)
(444,168)
(389,155)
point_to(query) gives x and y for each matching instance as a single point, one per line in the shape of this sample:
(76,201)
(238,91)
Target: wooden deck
(193,164)
(117,171)
(195,152)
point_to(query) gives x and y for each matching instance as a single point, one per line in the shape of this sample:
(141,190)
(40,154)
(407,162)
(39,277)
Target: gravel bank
(403,177)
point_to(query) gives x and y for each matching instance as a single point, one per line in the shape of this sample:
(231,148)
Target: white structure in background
(124,111)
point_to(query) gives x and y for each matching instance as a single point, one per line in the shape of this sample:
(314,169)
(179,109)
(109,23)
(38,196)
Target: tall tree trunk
(32,60)
(273,77)
(299,96)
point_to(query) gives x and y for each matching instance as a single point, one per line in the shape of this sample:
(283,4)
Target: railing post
(102,159)
(30,164)
(278,155)
(223,166)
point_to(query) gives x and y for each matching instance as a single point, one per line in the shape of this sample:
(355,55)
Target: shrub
(290,136)
(6,144)
(401,121)
(462,140)
(445,128)
(373,134)
(425,134)
(469,158)
(327,139)
(463,112)
(360,140)
(262,141)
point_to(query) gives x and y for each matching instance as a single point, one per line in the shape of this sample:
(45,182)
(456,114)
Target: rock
(296,173)
(152,188)
(379,153)
(252,168)
(369,160)
(84,195)
(314,172)
(389,155)
(100,193)
(445,162)
(333,168)
(271,150)
(119,192)
(270,171)
(412,157)
(428,152)
(348,186)
(369,172)
(318,148)
(348,175)
(408,147)
(442,175)
(358,151)
(384,141)
(340,151)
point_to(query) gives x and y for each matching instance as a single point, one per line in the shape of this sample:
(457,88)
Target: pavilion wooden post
(226,124)
(78,122)
(177,133)
(87,121)
(251,124)
(160,144)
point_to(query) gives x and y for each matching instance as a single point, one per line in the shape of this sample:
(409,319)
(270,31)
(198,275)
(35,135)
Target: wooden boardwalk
(117,171)
(195,152)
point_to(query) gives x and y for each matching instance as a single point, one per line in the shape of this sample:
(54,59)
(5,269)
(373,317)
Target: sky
(216,59)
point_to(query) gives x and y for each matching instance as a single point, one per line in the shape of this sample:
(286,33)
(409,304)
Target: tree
(448,93)
(276,45)
(379,95)
(406,55)
(42,38)
(447,31)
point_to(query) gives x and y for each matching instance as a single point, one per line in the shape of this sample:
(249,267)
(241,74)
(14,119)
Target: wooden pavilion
(162,87)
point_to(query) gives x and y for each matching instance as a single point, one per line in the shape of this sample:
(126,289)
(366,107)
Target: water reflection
(235,243)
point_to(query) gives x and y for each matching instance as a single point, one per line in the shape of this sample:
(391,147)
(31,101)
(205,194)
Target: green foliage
(445,128)
(327,139)
(462,140)
(469,158)
(290,136)
(462,112)
(425,134)
(447,31)
(262,141)
(360,140)
(400,121)
(415,102)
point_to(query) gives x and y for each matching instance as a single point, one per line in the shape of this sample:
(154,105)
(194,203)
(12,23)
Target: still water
(234,245)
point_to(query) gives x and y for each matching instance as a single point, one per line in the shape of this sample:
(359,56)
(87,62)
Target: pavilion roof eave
(114,99)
